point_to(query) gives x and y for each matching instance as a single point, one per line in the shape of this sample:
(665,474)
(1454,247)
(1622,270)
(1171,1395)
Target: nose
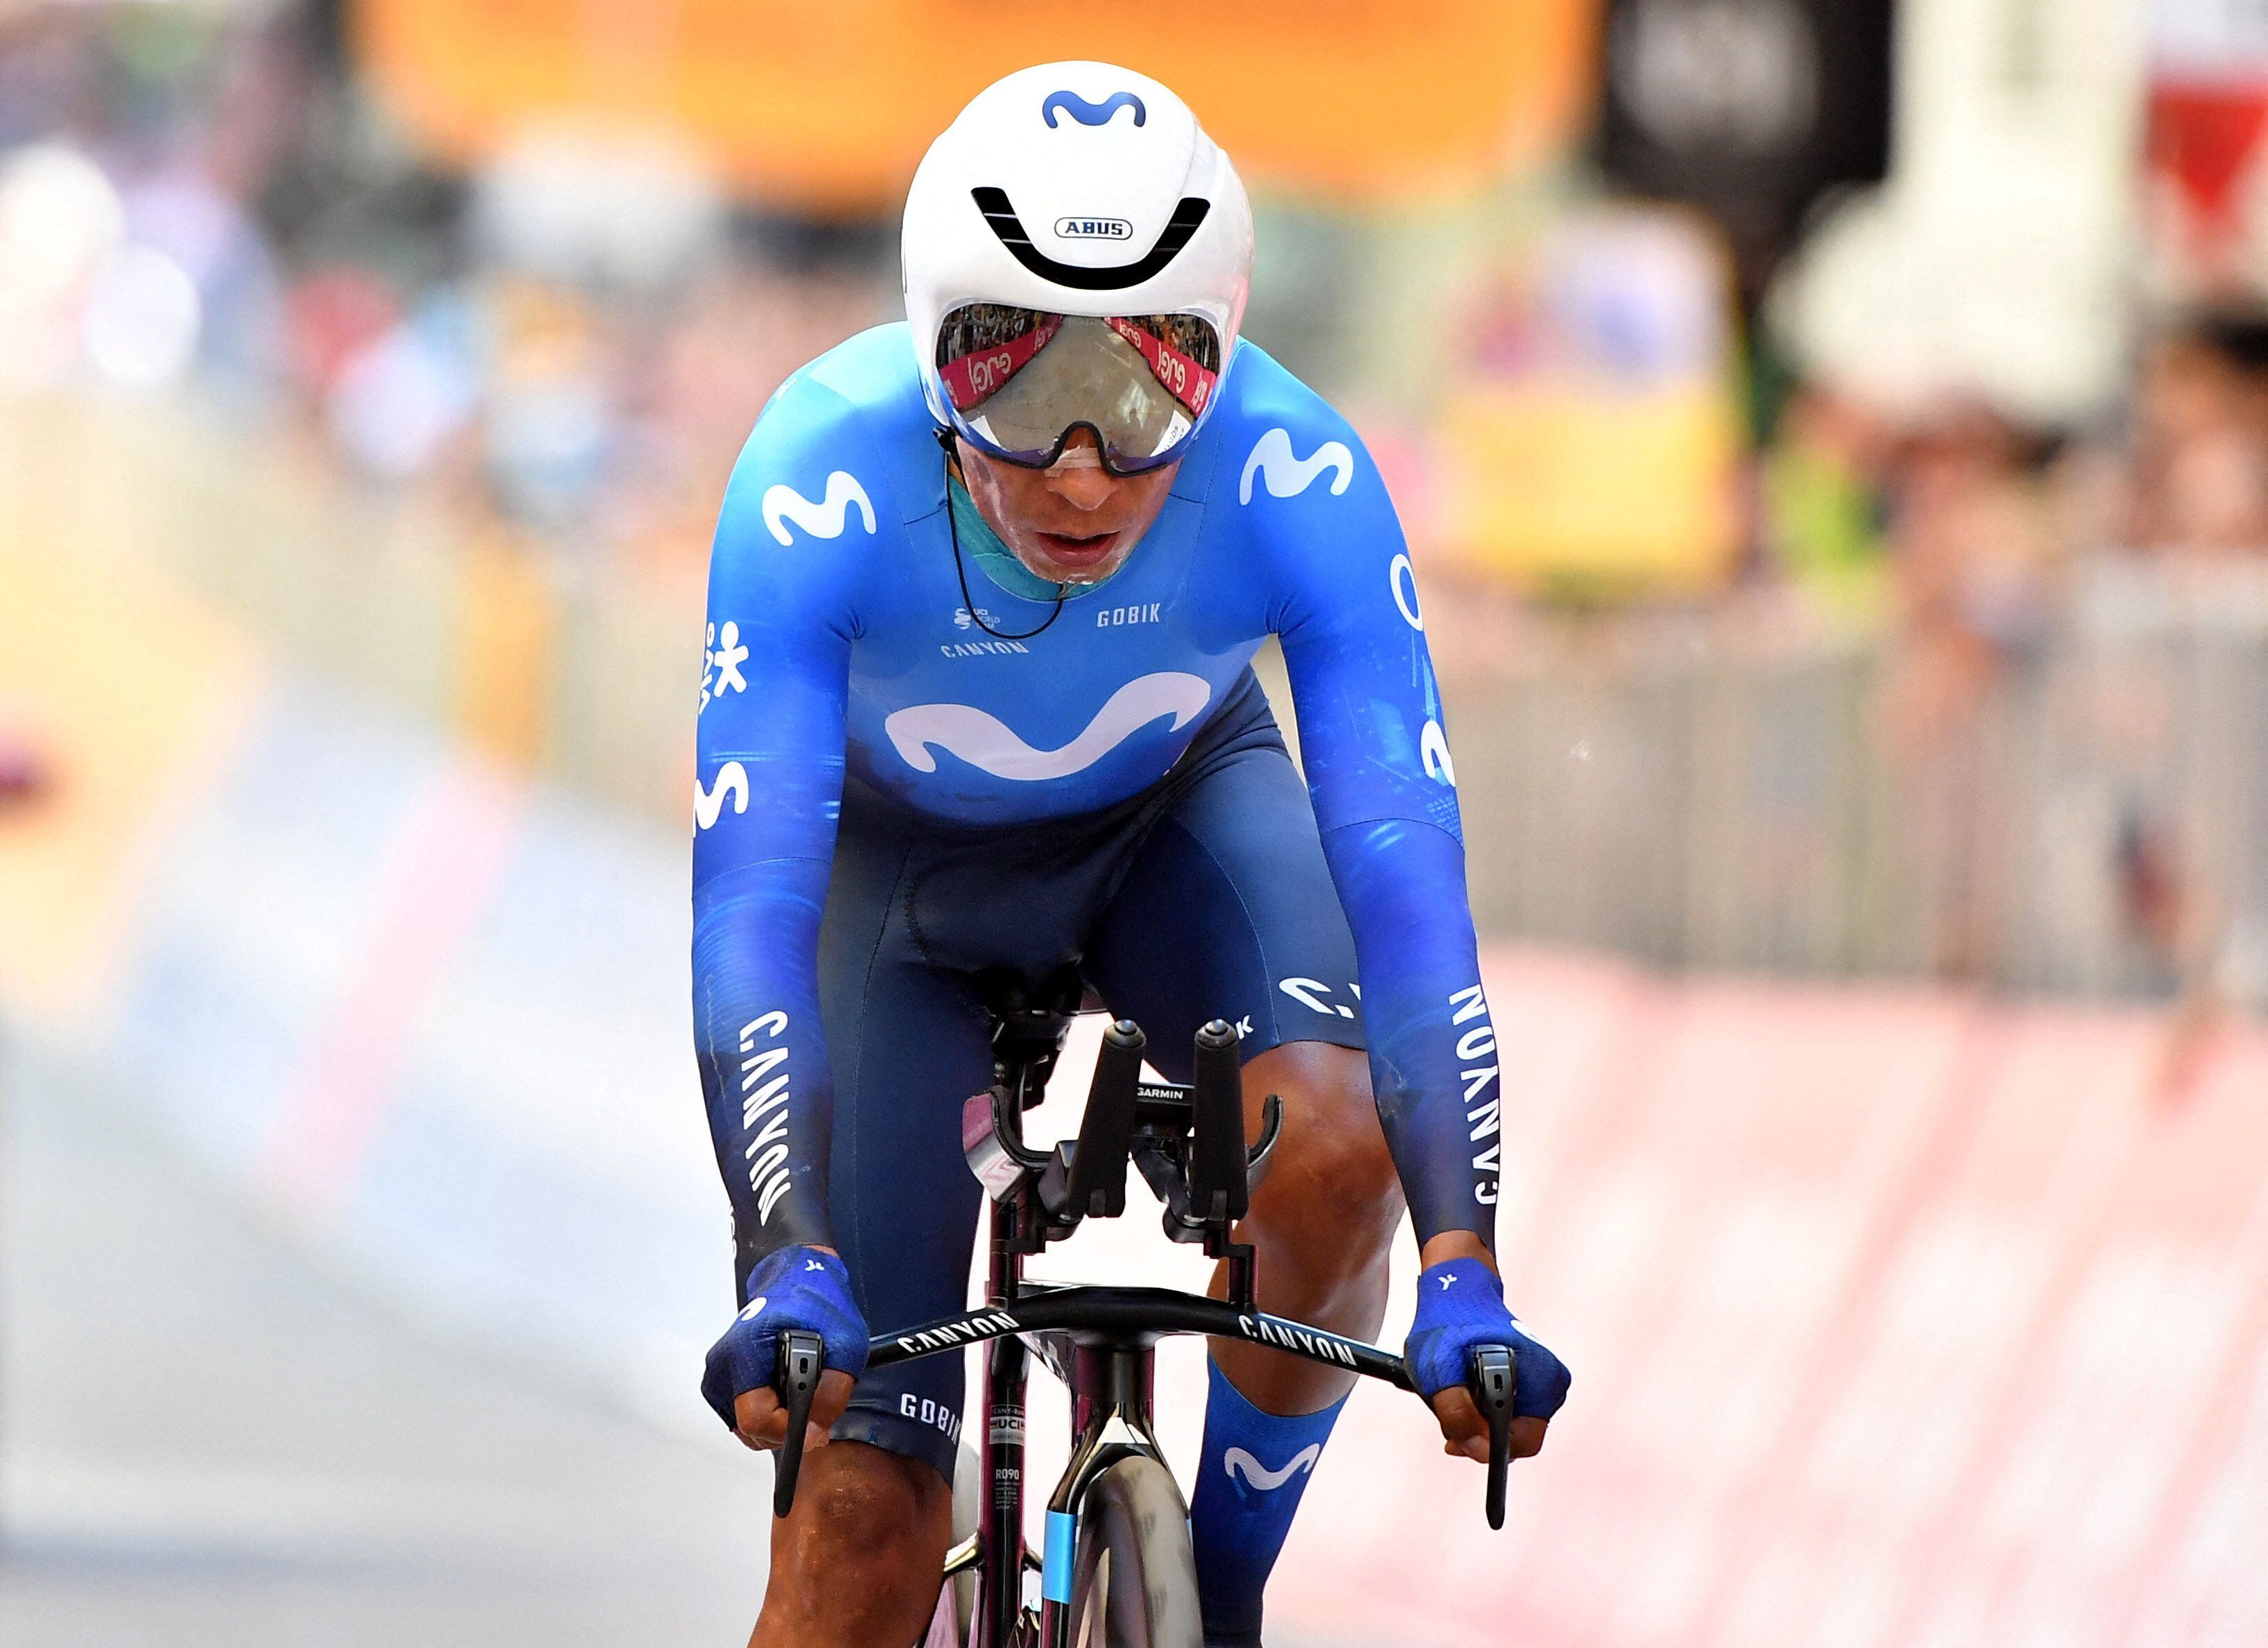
(1078,478)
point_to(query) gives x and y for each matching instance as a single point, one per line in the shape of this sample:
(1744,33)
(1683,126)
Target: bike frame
(1102,1342)
(1112,1335)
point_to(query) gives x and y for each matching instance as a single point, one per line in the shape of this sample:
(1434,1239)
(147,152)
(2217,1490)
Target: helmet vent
(993,202)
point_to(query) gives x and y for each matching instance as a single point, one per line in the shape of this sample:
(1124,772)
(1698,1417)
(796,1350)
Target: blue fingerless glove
(796,1287)
(1460,1305)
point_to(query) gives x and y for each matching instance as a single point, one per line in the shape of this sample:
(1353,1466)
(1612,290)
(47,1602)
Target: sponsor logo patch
(1094,229)
(983,739)
(825,518)
(1088,113)
(1260,1476)
(1287,474)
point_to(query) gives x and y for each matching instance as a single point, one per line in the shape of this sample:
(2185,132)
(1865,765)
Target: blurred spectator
(1972,560)
(1823,503)
(24,774)
(2199,480)
(395,402)
(1971,564)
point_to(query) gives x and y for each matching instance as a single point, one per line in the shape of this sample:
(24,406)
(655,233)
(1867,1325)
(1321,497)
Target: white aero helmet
(1077,255)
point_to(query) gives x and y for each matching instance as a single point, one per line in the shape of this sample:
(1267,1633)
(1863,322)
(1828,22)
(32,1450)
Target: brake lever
(1492,1386)
(795,1380)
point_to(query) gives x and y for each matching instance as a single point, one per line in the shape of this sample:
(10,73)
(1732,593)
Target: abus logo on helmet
(1094,229)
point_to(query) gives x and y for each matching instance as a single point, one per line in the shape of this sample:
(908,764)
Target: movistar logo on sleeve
(732,786)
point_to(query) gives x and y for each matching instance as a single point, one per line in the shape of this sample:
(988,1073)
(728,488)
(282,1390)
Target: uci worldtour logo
(982,620)
(1088,113)
(1094,229)
(1312,993)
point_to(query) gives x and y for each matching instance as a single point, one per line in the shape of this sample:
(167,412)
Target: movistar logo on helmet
(1088,113)
(1094,229)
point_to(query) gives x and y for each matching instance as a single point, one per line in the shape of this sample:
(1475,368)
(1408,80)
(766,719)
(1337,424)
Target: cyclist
(978,696)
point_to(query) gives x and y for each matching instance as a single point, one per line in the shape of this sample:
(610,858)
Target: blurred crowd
(572,344)
(565,348)
(574,341)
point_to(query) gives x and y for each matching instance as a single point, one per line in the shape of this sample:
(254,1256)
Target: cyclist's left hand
(1461,1305)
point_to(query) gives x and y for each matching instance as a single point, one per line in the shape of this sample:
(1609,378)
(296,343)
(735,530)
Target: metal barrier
(1719,791)
(2089,816)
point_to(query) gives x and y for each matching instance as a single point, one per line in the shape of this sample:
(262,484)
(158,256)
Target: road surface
(208,1440)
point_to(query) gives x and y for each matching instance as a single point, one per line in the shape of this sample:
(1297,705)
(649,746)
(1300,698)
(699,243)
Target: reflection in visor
(1018,380)
(983,367)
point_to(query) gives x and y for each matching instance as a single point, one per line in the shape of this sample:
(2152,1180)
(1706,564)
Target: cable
(960,566)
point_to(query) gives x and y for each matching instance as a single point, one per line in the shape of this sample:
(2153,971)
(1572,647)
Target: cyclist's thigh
(1228,912)
(908,1043)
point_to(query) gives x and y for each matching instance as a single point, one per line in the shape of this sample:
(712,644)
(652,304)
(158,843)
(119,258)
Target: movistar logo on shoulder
(1094,229)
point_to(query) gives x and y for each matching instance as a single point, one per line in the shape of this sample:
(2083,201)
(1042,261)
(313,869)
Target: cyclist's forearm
(1433,1060)
(764,1072)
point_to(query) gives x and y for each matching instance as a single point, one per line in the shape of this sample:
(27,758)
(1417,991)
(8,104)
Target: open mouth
(1070,550)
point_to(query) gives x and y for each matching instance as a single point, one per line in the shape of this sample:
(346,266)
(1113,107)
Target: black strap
(960,566)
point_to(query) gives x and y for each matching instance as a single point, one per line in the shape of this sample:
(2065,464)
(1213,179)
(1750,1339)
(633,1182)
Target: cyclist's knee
(1332,1160)
(863,1548)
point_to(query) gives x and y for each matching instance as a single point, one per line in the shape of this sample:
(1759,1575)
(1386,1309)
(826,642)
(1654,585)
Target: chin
(1092,574)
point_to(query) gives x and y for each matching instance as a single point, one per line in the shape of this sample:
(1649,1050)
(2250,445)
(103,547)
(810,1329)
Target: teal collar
(996,559)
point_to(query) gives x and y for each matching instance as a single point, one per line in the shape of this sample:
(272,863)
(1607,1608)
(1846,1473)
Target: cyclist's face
(1075,523)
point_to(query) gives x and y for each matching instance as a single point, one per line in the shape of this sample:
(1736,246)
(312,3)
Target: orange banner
(826,107)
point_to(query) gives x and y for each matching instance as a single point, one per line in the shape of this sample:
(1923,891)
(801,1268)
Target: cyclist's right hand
(1460,1307)
(805,1288)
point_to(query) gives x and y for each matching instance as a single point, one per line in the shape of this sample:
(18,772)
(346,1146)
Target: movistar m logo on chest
(983,739)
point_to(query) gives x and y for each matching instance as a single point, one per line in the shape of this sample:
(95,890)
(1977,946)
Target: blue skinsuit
(847,678)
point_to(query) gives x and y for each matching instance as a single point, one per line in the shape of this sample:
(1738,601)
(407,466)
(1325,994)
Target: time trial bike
(1115,1568)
